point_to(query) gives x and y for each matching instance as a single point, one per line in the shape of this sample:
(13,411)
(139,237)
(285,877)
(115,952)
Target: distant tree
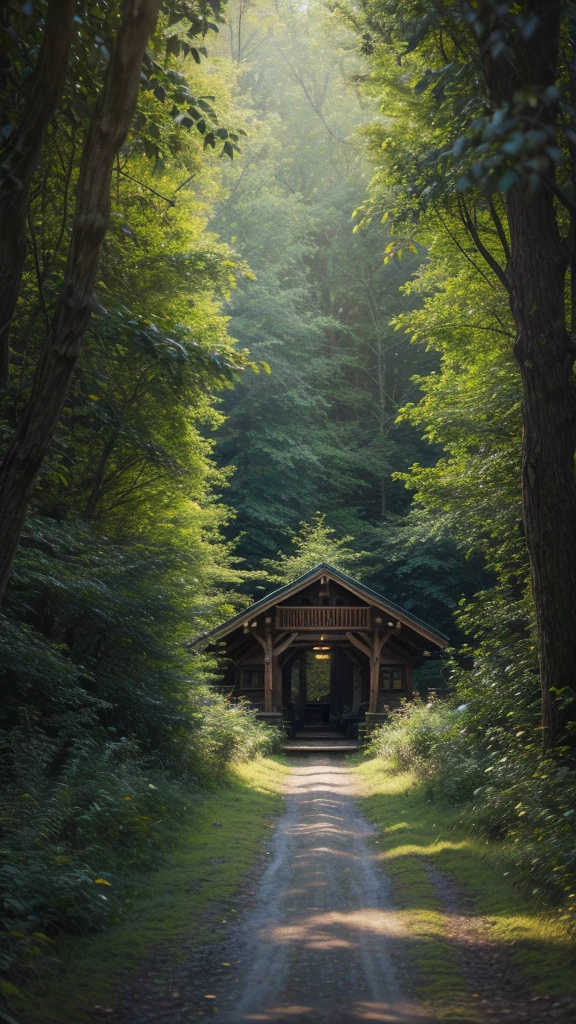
(316,542)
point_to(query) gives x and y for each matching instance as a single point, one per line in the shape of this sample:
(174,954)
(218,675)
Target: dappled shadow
(328,942)
(323,940)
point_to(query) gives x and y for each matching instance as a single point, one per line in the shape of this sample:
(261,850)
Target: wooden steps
(321,741)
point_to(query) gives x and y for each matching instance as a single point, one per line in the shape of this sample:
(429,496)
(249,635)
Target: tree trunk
(21,160)
(108,128)
(536,272)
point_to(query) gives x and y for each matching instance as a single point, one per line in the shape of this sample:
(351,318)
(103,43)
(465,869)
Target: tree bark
(536,272)
(55,371)
(22,158)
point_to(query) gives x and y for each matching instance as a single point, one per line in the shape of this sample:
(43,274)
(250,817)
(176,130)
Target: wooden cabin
(320,648)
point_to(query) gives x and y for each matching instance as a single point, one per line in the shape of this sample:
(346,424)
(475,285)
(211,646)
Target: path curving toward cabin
(321,943)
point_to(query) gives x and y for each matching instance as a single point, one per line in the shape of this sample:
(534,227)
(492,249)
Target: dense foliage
(261,388)
(487,760)
(321,432)
(108,728)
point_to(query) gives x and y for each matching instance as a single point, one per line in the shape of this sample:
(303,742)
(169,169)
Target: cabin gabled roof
(322,569)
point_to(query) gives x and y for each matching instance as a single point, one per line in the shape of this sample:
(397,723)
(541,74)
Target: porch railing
(322,617)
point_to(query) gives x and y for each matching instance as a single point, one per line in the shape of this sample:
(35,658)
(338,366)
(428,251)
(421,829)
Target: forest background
(261,387)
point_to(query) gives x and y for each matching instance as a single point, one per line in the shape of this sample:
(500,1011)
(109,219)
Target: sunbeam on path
(321,943)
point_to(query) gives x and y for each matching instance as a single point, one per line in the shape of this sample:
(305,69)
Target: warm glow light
(322,657)
(320,648)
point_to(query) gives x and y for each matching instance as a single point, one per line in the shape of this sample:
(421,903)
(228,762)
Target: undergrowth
(163,909)
(77,827)
(493,772)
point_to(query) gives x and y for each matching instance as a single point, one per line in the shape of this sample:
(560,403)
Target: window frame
(391,669)
(256,670)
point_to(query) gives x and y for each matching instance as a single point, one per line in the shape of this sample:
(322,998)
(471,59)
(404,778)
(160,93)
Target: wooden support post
(374,672)
(273,687)
(282,644)
(377,645)
(373,653)
(268,674)
(272,693)
(266,644)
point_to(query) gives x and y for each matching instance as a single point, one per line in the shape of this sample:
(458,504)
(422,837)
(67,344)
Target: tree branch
(484,252)
(499,228)
(22,159)
(463,250)
(309,98)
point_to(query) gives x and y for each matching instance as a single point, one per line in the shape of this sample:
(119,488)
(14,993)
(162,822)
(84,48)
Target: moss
(413,831)
(206,867)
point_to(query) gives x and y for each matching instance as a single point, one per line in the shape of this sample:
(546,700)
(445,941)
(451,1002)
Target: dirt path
(321,942)
(319,938)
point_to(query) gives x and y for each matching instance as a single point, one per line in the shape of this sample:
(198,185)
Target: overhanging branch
(484,252)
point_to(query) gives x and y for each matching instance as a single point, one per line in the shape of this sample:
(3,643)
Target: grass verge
(207,865)
(415,831)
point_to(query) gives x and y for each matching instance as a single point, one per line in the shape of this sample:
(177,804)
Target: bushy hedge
(228,733)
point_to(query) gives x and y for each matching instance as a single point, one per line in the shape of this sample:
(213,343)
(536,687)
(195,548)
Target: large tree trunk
(108,128)
(536,273)
(21,160)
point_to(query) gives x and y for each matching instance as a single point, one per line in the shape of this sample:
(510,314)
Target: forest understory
(282,284)
(473,945)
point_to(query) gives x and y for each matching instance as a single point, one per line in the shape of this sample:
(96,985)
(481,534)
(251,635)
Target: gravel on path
(321,942)
(320,939)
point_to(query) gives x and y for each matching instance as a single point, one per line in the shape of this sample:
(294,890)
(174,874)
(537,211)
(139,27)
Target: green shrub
(429,739)
(507,788)
(228,733)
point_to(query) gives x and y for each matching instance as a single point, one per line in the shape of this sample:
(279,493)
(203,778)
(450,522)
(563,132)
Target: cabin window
(391,679)
(252,679)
